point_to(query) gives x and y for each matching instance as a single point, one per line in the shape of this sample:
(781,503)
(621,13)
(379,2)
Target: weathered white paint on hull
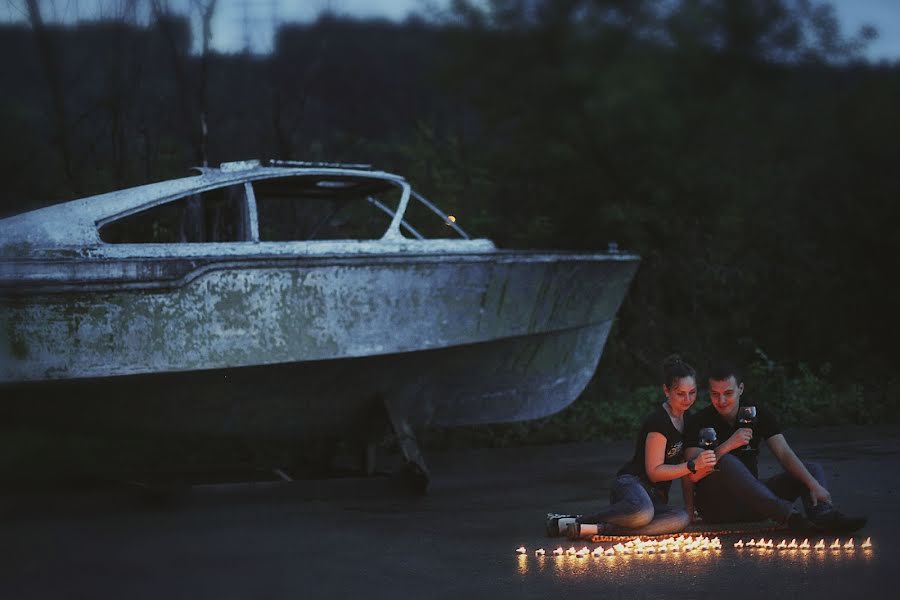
(270,313)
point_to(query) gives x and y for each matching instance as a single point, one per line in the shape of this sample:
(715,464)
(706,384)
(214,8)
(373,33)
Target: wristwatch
(691,467)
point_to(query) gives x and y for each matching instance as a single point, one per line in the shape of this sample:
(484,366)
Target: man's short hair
(723,369)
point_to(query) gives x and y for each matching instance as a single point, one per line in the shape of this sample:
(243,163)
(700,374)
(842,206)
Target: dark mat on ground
(702,529)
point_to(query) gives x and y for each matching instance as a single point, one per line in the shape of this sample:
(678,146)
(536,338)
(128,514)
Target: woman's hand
(705,462)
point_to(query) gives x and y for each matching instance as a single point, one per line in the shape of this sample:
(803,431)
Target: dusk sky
(241,22)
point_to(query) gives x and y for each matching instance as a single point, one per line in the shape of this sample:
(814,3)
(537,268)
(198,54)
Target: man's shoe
(835,521)
(797,522)
(556,523)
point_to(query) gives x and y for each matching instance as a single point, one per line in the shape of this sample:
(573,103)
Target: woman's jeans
(631,511)
(733,494)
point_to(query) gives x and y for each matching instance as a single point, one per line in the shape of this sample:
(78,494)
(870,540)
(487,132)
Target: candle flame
(781,545)
(804,545)
(769,543)
(793,544)
(521,550)
(820,545)
(598,551)
(849,544)
(571,550)
(739,544)
(867,543)
(751,543)
(539,552)
(558,552)
(609,552)
(836,545)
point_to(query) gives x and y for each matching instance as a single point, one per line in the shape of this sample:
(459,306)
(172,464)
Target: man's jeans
(733,494)
(632,512)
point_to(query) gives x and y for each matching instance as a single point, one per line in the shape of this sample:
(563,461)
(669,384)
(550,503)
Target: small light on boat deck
(539,552)
(521,550)
(867,544)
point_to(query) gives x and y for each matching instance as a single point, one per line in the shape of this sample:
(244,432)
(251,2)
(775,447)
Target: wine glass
(746,417)
(709,440)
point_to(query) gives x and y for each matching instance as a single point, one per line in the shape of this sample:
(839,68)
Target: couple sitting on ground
(723,484)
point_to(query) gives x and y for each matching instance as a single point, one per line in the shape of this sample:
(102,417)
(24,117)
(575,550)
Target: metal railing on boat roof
(319,165)
(243,165)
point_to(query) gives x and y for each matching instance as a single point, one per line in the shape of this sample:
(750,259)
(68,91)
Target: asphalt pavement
(356,537)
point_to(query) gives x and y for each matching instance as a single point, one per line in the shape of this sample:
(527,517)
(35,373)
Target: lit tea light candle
(571,551)
(769,544)
(751,543)
(609,552)
(820,545)
(619,548)
(781,545)
(849,544)
(583,551)
(539,552)
(598,551)
(793,544)
(521,550)
(836,545)
(739,544)
(558,552)
(804,545)
(867,544)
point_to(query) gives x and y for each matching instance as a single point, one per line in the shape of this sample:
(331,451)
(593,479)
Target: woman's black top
(660,422)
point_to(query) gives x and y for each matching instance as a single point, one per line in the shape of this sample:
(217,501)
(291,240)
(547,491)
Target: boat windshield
(303,207)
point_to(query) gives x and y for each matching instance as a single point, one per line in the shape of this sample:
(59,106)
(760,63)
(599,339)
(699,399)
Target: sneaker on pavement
(577,531)
(797,522)
(556,523)
(835,521)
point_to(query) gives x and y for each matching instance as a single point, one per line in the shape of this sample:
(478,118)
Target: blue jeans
(631,511)
(733,494)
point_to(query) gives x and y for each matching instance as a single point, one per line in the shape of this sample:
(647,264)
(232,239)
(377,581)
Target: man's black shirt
(766,426)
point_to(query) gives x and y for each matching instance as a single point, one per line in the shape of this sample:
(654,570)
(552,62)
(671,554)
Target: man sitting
(734,491)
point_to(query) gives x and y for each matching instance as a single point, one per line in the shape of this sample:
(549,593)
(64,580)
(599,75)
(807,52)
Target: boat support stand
(414,474)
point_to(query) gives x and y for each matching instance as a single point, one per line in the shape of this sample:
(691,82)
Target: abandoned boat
(287,299)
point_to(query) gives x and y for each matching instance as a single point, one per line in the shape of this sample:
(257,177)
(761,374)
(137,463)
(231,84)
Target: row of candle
(804,545)
(689,544)
(638,546)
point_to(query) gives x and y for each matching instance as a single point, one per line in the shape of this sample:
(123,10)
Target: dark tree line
(739,146)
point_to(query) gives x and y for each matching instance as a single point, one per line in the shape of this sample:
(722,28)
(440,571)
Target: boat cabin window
(319,207)
(217,215)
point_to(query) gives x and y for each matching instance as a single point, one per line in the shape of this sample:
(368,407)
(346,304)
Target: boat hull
(301,347)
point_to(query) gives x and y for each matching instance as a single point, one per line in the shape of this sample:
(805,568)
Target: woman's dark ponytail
(674,368)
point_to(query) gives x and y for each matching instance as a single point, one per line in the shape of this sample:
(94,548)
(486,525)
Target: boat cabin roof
(252,197)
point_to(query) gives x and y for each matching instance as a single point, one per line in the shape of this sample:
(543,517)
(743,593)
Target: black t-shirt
(766,426)
(660,422)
